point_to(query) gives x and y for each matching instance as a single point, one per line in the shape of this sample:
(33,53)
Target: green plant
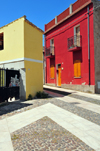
(41,94)
(14,137)
(30,97)
(38,94)
(44,95)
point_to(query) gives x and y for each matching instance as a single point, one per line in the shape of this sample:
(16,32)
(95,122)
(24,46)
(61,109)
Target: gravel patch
(84,113)
(83,98)
(18,107)
(46,135)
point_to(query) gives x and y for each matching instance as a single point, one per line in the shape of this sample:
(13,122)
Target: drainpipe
(43,68)
(88,43)
(44,60)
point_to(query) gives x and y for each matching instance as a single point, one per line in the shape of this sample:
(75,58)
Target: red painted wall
(60,34)
(65,13)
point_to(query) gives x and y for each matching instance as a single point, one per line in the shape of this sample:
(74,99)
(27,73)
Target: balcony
(75,43)
(49,51)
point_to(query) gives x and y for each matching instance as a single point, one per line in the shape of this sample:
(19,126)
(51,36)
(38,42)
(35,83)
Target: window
(1,41)
(77,68)
(77,35)
(52,46)
(52,42)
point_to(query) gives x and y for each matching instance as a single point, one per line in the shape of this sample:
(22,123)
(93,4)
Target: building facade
(72,47)
(21,49)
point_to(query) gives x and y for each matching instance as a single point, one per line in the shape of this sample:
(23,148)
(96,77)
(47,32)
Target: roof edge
(76,11)
(33,25)
(26,21)
(13,21)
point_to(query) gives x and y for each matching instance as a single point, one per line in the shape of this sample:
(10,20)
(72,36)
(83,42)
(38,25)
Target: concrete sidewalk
(85,130)
(79,125)
(59,90)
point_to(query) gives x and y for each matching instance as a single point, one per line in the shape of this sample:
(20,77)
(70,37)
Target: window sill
(77,77)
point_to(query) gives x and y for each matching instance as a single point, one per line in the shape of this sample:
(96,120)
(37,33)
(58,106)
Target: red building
(72,47)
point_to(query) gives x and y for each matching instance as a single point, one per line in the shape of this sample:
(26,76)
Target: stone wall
(96,14)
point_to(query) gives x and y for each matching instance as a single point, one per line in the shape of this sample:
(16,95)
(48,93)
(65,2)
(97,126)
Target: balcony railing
(74,43)
(50,51)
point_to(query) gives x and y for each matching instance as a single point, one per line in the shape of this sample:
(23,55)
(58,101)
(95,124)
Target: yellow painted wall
(23,40)
(32,42)
(34,77)
(13,40)
(34,50)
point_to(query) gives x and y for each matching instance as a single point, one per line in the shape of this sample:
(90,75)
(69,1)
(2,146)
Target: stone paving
(84,98)
(18,107)
(50,133)
(89,115)
(46,135)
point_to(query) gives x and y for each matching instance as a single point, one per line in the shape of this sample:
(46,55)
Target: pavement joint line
(58,120)
(9,133)
(85,105)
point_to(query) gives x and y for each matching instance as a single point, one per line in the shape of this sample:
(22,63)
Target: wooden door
(78,36)
(52,71)
(59,75)
(77,68)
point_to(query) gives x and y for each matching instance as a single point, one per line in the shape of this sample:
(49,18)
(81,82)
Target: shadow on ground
(56,92)
(9,107)
(16,106)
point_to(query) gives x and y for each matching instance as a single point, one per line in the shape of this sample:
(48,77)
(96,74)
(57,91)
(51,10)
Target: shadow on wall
(22,84)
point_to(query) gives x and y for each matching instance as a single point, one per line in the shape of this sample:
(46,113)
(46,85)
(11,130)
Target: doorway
(59,75)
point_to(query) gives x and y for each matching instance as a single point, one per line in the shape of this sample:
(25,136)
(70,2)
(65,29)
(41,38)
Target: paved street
(63,122)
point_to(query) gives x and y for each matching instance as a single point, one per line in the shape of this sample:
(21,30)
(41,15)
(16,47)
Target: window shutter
(77,68)
(52,69)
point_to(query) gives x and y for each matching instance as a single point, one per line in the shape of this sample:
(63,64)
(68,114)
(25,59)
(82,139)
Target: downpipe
(88,43)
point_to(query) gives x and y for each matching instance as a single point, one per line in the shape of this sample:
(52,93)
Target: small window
(52,42)
(52,46)
(77,35)
(77,68)
(1,41)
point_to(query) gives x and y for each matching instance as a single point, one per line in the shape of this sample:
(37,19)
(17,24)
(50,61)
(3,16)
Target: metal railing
(50,51)
(9,84)
(75,41)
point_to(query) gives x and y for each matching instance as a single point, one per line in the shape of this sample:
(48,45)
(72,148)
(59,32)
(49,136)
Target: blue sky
(39,12)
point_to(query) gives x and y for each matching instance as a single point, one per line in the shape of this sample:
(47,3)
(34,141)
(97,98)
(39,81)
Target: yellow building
(21,49)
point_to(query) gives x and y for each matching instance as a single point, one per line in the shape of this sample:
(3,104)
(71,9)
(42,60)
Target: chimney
(70,8)
(55,19)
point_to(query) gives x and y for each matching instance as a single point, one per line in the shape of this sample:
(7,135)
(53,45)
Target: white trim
(33,60)
(21,59)
(14,60)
